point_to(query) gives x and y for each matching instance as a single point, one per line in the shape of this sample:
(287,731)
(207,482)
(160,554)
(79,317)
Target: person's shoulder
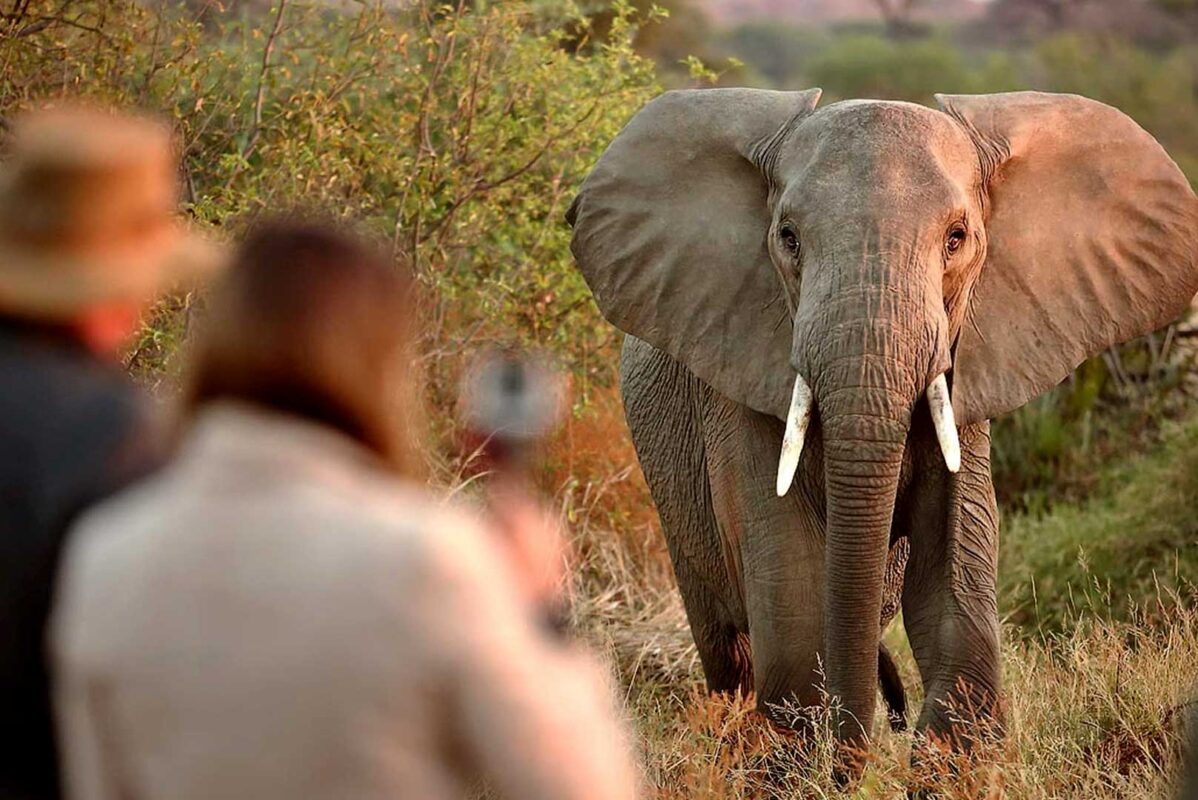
(105,553)
(110,536)
(403,510)
(83,427)
(443,538)
(63,378)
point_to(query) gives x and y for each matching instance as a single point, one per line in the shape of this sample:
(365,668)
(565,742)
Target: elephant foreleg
(950,596)
(778,543)
(663,402)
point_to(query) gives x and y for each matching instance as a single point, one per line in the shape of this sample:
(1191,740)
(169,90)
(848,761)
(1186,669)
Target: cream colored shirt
(274,617)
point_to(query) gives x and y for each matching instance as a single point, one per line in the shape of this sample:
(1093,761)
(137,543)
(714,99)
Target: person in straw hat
(88,238)
(286,610)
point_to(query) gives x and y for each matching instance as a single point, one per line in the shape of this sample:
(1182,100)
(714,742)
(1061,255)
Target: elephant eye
(790,239)
(956,239)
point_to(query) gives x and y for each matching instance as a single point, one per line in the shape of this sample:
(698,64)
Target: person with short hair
(284,612)
(88,238)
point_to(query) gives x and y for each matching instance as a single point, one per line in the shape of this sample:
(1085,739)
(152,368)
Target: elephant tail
(892,690)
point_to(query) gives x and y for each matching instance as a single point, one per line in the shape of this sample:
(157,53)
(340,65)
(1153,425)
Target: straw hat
(87,214)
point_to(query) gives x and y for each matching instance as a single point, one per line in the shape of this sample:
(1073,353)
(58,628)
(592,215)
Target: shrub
(1133,538)
(1114,405)
(456,133)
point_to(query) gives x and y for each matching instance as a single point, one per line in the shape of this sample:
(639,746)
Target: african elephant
(823,309)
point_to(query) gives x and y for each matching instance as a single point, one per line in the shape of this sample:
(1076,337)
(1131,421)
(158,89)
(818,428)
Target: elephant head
(856,259)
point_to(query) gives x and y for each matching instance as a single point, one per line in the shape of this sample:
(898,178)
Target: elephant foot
(960,745)
(969,717)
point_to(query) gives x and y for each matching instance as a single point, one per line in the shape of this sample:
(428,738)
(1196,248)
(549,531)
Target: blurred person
(283,612)
(87,240)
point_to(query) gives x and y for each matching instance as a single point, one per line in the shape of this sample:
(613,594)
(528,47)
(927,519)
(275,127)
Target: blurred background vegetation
(457,132)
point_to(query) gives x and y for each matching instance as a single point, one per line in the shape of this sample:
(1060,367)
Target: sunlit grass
(1095,711)
(1134,539)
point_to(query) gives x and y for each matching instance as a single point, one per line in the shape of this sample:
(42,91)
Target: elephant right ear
(670,232)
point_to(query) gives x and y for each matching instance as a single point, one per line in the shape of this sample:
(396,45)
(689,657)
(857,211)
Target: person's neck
(105,330)
(98,340)
(41,329)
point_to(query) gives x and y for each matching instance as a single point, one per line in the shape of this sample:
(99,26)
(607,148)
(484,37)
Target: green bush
(873,66)
(779,54)
(1113,406)
(457,134)
(1133,537)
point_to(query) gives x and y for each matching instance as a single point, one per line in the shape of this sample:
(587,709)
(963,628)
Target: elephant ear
(670,232)
(1092,232)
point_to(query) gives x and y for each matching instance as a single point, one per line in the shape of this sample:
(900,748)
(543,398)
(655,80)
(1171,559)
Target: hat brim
(50,286)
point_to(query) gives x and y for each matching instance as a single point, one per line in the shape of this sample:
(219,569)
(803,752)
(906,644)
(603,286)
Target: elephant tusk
(797,420)
(946,426)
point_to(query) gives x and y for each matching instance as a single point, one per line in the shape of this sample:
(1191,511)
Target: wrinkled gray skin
(741,237)
(740,554)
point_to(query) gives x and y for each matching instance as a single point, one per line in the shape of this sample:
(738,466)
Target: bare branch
(481,186)
(260,95)
(896,14)
(421,132)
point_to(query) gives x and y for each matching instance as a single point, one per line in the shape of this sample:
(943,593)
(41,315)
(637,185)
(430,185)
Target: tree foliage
(456,132)
(897,15)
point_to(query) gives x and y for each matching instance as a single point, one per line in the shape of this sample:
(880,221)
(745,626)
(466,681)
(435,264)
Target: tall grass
(1129,550)
(1095,708)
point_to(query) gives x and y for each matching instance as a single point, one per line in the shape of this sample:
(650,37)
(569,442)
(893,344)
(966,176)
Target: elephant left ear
(1092,233)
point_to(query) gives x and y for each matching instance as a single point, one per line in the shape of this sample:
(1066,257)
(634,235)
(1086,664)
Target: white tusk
(797,420)
(946,427)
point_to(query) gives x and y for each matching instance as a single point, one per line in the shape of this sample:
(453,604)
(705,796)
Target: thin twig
(421,135)
(1153,353)
(482,186)
(1115,366)
(154,65)
(1167,346)
(189,185)
(260,95)
(462,147)
(41,23)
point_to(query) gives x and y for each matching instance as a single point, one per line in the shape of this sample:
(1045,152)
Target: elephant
(823,307)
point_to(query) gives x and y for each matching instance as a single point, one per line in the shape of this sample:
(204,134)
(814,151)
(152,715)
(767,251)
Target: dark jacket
(72,430)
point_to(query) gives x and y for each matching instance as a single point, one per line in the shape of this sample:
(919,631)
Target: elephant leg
(779,544)
(662,403)
(950,607)
(891,683)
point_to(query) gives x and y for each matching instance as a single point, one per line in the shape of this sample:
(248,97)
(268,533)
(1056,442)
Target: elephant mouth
(798,419)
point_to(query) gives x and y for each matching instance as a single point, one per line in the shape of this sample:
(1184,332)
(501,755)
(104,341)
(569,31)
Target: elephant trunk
(869,341)
(867,360)
(865,431)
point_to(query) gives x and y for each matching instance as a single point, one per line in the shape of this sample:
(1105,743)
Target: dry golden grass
(1095,713)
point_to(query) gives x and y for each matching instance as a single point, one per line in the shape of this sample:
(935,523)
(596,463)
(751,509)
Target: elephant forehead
(879,144)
